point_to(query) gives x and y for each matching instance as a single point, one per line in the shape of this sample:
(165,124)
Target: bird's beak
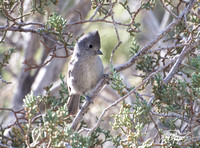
(98,52)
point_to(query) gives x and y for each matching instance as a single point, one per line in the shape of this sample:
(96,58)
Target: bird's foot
(107,78)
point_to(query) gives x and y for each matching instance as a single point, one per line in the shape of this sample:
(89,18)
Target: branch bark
(175,67)
(145,49)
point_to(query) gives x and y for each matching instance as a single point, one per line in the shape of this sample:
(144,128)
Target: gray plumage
(85,69)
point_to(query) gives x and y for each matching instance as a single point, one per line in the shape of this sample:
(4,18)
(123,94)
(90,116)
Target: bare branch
(175,67)
(167,47)
(52,56)
(116,31)
(81,18)
(4,81)
(95,13)
(166,8)
(17,122)
(113,51)
(175,115)
(152,43)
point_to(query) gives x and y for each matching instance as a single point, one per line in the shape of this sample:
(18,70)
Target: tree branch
(128,64)
(152,43)
(128,94)
(175,67)
(116,31)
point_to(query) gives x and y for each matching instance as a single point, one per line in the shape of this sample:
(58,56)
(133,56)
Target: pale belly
(85,76)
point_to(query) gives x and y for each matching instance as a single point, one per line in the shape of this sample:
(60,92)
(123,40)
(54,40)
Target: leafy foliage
(117,81)
(161,114)
(131,121)
(134,48)
(146,64)
(6,58)
(51,127)
(39,6)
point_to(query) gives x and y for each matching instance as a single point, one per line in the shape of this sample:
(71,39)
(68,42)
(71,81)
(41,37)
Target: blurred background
(28,47)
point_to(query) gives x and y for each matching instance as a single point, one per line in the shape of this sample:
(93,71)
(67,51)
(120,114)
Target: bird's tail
(73,104)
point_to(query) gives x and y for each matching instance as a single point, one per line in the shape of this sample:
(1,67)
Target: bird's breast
(85,73)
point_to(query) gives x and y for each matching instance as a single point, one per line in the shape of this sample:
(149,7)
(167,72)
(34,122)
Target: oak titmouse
(85,69)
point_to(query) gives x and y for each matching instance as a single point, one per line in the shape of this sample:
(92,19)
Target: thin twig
(152,43)
(52,56)
(4,81)
(167,47)
(13,7)
(21,10)
(116,31)
(15,114)
(175,67)
(156,125)
(113,52)
(174,115)
(95,13)
(80,15)
(166,8)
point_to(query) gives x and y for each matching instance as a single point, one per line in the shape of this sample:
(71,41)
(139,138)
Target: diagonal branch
(145,49)
(85,106)
(175,67)
(128,64)
(128,94)
(116,31)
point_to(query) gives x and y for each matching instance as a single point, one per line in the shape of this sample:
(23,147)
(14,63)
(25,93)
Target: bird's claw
(107,78)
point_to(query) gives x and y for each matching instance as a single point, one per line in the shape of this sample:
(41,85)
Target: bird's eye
(90,46)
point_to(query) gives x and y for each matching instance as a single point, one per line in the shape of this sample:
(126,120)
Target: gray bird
(85,69)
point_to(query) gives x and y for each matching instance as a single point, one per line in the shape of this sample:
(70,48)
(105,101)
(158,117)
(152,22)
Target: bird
(85,69)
